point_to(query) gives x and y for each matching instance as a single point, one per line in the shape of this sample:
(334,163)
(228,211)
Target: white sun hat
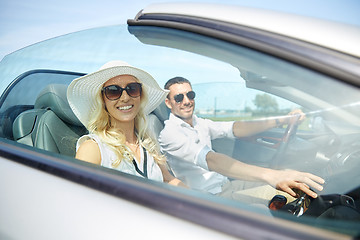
(81,91)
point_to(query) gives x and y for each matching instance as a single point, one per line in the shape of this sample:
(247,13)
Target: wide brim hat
(82,91)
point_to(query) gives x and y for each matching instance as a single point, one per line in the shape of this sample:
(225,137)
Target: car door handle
(269,142)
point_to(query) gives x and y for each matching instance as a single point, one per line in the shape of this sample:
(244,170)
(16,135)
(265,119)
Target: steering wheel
(290,133)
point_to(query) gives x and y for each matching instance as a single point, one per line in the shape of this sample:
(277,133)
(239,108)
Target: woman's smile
(125,108)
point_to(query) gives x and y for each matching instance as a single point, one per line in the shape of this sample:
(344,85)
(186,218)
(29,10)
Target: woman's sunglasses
(179,97)
(114,92)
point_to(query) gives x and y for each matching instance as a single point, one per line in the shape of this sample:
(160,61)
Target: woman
(112,103)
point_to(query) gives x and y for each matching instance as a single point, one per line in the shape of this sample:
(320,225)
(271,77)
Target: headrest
(162,112)
(54,97)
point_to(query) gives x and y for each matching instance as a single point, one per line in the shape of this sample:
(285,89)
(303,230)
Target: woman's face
(124,109)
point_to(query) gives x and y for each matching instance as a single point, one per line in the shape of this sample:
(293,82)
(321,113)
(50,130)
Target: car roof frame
(324,60)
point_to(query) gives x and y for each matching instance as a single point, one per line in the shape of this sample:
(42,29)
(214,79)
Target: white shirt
(186,148)
(108,157)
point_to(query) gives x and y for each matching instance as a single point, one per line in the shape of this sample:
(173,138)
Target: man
(186,142)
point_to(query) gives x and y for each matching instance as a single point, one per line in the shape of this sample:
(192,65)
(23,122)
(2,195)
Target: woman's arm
(170,179)
(89,152)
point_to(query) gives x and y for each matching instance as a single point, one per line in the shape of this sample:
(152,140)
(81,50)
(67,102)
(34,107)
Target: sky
(24,22)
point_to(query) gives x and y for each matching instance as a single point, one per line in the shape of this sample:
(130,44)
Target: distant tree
(247,109)
(265,103)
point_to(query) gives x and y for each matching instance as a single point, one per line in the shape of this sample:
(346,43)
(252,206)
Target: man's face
(185,108)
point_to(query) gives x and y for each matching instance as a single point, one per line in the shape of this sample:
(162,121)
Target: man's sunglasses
(179,97)
(114,92)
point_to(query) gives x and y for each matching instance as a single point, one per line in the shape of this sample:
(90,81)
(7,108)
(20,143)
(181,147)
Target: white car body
(38,204)
(295,26)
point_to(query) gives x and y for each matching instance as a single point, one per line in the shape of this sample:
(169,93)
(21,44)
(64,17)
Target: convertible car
(244,64)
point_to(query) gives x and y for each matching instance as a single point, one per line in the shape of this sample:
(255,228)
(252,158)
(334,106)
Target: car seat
(51,125)
(156,119)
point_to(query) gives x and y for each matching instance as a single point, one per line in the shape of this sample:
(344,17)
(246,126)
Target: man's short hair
(176,80)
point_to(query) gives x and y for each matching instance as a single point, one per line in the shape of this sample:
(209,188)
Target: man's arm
(284,180)
(249,128)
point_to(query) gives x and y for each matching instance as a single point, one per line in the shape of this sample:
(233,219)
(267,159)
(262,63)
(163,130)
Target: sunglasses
(179,97)
(114,92)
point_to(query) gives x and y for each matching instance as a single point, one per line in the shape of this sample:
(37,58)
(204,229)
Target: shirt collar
(180,122)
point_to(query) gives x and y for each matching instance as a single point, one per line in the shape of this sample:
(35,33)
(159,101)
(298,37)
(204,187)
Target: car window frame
(190,205)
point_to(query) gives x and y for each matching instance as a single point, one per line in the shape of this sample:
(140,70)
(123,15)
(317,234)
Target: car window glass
(231,83)
(252,85)
(29,85)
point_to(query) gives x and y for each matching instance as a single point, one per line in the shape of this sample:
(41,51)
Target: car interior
(48,123)
(51,125)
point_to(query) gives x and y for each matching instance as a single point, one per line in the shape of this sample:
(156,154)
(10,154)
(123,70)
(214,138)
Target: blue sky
(24,22)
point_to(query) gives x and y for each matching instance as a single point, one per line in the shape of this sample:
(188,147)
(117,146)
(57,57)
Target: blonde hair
(100,124)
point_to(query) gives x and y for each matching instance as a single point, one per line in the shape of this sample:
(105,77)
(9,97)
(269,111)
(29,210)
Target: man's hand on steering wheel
(294,117)
(287,180)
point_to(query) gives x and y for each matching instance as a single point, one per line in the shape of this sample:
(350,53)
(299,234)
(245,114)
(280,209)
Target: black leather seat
(51,125)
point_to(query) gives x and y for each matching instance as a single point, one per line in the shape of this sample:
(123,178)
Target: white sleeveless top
(108,157)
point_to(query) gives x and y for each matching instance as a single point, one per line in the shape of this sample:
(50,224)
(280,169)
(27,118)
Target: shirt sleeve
(183,146)
(220,129)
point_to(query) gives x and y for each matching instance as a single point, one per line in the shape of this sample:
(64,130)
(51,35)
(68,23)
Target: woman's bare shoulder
(89,151)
